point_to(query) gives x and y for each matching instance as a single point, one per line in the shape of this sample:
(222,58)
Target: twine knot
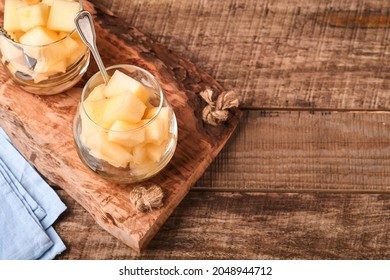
(216,111)
(144,200)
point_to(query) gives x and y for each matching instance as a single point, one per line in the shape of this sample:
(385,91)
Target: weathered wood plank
(209,225)
(41,128)
(289,53)
(302,151)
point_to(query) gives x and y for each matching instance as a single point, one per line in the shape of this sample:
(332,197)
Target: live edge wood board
(41,128)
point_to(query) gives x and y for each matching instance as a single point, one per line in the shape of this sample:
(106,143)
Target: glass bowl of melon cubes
(125,130)
(42,51)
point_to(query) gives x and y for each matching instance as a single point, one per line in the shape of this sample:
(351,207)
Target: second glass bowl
(125,152)
(47,69)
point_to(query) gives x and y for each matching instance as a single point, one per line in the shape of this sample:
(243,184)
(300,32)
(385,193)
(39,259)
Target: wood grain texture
(303,60)
(317,180)
(208,225)
(278,54)
(318,151)
(41,128)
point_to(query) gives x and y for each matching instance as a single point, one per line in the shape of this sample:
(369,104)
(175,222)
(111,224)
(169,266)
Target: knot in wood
(216,111)
(145,200)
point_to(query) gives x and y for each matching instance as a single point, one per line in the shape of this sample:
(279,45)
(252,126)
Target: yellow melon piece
(120,82)
(54,58)
(38,36)
(155,152)
(11,17)
(157,131)
(126,134)
(61,50)
(70,46)
(111,152)
(125,107)
(88,127)
(62,13)
(31,16)
(64,50)
(96,93)
(77,53)
(95,109)
(72,49)
(50,68)
(142,169)
(91,114)
(140,155)
(76,46)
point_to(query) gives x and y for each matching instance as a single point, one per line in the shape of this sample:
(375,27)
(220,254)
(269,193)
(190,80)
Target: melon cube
(140,155)
(88,127)
(77,53)
(142,169)
(31,16)
(125,107)
(120,82)
(95,109)
(111,152)
(62,14)
(70,46)
(81,49)
(11,17)
(155,152)
(126,134)
(63,50)
(58,52)
(157,131)
(38,36)
(96,93)
(50,68)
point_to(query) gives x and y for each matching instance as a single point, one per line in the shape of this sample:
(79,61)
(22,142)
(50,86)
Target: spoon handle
(86,29)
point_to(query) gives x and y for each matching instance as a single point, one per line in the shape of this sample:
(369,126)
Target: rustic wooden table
(307,173)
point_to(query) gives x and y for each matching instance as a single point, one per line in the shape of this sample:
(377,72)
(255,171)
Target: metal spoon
(86,29)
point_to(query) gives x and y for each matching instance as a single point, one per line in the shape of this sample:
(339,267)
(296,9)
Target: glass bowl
(125,153)
(47,69)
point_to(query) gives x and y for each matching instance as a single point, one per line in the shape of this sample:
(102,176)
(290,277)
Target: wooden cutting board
(41,128)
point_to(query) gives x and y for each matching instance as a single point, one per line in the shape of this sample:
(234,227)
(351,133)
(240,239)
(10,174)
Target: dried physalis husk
(145,200)
(216,111)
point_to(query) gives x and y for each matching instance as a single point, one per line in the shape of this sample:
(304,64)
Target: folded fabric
(28,208)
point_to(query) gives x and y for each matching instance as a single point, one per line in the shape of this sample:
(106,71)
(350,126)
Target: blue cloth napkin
(28,208)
